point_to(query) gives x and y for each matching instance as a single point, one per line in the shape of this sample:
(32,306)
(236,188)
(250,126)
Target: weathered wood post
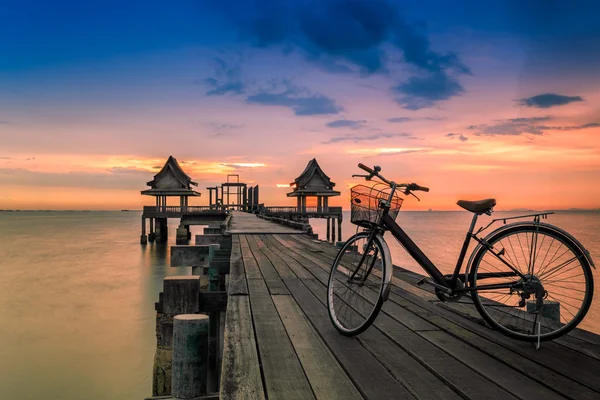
(182,234)
(340,228)
(190,346)
(151,235)
(180,296)
(333,230)
(328,228)
(143,238)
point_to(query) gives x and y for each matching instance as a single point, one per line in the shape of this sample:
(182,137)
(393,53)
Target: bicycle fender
(387,259)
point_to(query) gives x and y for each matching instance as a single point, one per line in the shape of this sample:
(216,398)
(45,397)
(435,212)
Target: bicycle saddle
(479,206)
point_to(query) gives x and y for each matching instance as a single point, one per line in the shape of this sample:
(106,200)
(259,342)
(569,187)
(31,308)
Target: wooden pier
(280,344)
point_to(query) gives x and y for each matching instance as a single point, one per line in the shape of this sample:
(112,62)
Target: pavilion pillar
(245,198)
(333,230)
(328,228)
(161,230)
(340,228)
(143,238)
(326,205)
(299,203)
(151,235)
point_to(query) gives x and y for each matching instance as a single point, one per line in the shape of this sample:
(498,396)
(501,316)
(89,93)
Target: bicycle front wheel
(356,284)
(551,293)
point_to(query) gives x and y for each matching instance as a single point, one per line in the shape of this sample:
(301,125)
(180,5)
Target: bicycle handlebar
(365,168)
(375,172)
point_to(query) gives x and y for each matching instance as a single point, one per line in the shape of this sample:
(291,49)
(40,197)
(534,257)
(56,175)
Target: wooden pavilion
(313,182)
(170,181)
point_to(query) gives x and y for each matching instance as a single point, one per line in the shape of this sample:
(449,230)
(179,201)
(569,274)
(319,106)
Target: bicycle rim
(542,255)
(354,300)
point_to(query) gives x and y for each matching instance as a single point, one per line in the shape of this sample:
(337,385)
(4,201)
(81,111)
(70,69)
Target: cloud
(548,100)
(227,79)
(407,119)
(385,151)
(5,158)
(243,165)
(398,120)
(424,91)
(459,136)
(520,126)
(345,123)
(299,100)
(361,138)
(5,123)
(346,36)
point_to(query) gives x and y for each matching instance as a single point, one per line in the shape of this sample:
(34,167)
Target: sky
(472,99)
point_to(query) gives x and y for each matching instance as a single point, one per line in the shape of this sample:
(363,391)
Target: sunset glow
(471,100)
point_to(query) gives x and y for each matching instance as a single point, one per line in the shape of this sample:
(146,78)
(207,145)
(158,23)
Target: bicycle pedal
(422,281)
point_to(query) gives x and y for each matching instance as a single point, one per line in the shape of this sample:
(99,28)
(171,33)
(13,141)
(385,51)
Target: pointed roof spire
(313,182)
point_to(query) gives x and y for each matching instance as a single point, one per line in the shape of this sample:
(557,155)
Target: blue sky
(120,86)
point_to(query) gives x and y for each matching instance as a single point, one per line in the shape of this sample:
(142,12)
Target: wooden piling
(333,230)
(143,238)
(190,348)
(151,235)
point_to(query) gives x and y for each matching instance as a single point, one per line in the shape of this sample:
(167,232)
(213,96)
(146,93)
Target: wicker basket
(364,207)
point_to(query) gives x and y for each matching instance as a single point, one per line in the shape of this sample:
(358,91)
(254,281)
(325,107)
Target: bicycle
(528,279)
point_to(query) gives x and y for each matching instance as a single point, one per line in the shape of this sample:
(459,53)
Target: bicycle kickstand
(539,331)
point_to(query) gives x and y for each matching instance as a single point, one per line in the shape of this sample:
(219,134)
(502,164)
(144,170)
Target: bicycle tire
(555,318)
(359,317)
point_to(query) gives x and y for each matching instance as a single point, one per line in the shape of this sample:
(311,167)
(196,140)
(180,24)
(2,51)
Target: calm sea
(77,295)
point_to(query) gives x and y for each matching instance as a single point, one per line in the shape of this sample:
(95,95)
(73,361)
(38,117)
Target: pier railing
(177,210)
(306,211)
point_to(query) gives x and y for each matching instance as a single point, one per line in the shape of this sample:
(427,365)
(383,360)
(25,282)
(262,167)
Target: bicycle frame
(441,280)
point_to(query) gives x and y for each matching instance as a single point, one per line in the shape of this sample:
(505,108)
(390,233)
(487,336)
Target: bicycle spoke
(550,260)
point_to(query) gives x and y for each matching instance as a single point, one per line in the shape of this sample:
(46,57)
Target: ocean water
(77,295)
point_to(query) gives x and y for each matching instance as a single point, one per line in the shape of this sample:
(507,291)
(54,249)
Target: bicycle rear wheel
(356,284)
(551,263)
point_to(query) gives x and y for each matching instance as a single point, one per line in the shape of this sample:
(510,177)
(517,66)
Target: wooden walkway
(242,222)
(280,344)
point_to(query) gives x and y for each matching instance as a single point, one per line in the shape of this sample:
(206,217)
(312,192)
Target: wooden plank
(240,371)
(512,357)
(283,374)
(245,223)
(543,366)
(458,376)
(511,380)
(283,253)
(270,275)
(237,275)
(279,265)
(250,264)
(189,256)
(579,340)
(321,272)
(180,294)
(327,378)
(418,380)
(370,377)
